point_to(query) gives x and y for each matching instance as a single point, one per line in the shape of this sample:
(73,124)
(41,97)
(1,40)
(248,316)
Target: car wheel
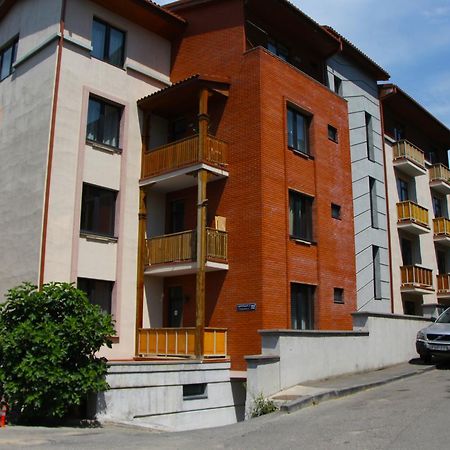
(425,357)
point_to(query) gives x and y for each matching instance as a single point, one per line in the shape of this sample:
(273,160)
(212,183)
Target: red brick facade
(263,260)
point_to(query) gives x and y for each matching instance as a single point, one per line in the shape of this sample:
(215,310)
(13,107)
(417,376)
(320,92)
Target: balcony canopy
(184,95)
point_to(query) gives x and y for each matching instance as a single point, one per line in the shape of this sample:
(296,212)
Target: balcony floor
(416,289)
(442,239)
(181,178)
(182,268)
(440,186)
(409,167)
(412,227)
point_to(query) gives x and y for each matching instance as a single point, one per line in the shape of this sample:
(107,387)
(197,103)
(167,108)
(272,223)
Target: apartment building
(417,174)
(70,143)
(246,185)
(354,76)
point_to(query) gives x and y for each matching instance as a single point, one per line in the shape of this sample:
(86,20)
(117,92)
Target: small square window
(335,211)
(98,209)
(99,292)
(108,43)
(103,123)
(8,56)
(332,133)
(338,295)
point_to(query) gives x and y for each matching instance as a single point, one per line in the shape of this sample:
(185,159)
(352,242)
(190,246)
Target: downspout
(51,143)
(387,202)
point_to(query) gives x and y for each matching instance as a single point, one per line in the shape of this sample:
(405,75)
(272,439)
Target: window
(98,210)
(108,43)
(300,216)
(376,272)
(441,262)
(369,137)
(302,307)
(373,202)
(99,292)
(298,125)
(332,133)
(407,252)
(399,132)
(335,211)
(103,124)
(8,56)
(176,218)
(194,391)
(402,188)
(437,207)
(338,295)
(277,49)
(337,85)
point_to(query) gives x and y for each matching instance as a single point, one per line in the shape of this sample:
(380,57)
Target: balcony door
(407,252)
(176,300)
(176,216)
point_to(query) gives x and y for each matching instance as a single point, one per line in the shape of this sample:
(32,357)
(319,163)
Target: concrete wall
(151,393)
(292,357)
(75,162)
(25,111)
(361,93)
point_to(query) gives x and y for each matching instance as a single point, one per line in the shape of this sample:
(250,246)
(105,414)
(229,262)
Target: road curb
(310,400)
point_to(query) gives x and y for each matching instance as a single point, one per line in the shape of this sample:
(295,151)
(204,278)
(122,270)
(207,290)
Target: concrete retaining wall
(290,357)
(152,393)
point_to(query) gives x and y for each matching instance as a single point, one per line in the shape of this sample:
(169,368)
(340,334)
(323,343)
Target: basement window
(195,391)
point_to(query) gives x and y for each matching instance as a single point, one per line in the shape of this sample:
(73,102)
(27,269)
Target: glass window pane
(291,126)
(111,126)
(6,63)
(116,47)
(94,121)
(98,39)
(301,138)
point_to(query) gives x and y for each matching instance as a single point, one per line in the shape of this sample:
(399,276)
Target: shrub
(261,406)
(48,341)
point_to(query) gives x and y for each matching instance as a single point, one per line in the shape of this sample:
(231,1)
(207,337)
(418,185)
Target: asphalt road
(409,414)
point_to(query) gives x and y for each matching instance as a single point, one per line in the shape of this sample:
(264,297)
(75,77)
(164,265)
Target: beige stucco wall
(25,111)
(425,251)
(68,254)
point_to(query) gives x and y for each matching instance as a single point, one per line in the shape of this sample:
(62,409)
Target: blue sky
(408,38)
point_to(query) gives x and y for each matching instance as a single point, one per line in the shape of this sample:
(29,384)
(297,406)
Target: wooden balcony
(443,285)
(184,154)
(412,218)
(180,342)
(176,254)
(440,178)
(441,227)
(408,158)
(416,280)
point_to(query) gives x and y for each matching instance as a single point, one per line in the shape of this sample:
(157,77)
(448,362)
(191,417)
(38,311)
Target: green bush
(262,406)
(48,341)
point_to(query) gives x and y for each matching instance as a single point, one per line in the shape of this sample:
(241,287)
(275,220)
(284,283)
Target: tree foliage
(48,342)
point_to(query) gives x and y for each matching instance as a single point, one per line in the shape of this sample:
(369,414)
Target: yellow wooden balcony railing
(443,282)
(182,153)
(439,172)
(441,225)
(410,211)
(180,342)
(404,149)
(415,275)
(180,247)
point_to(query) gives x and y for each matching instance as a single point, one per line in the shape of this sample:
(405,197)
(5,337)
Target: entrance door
(175,306)
(302,308)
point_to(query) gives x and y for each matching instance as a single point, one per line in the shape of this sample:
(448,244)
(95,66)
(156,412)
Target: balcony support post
(140,266)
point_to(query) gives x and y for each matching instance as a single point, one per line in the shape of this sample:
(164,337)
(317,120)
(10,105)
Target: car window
(444,317)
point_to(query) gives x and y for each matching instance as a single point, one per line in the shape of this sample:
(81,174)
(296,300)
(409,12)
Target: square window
(300,216)
(298,126)
(98,210)
(103,123)
(108,43)
(335,211)
(99,292)
(8,56)
(332,133)
(338,295)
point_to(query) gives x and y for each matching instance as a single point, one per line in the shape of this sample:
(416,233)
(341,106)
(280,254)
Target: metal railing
(410,211)
(183,153)
(415,275)
(404,149)
(439,172)
(182,246)
(180,342)
(441,225)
